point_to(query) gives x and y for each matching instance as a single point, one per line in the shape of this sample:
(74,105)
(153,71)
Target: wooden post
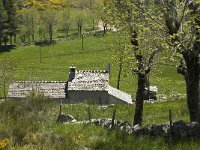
(40,54)
(82,41)
(170,122)
(89,114)
(60,108)
(113,119)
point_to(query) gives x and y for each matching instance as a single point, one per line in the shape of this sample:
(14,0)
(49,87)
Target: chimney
(72,71)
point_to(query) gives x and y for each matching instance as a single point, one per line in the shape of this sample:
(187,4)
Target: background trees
(7,72)
(11,10)
(28,18)
(3,23)
(65,21)
(49,19)
(8,21)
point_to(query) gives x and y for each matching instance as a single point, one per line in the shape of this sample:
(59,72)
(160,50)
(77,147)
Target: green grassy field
(56,60)
(31,124)
(40,130)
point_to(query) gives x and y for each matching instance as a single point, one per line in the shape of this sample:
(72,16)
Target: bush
(20,117)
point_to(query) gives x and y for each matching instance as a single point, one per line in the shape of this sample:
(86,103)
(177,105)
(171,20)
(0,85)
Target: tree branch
(149,62)
(182,69)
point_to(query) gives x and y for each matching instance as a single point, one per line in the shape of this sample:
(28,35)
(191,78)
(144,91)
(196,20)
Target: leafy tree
(65,21)
(28,21)
(79,20)
(7,72)
(102,16)
(49,18)
(176,25)
(3,23)
(144,35)
(121,49)
(182,21)
(11,9)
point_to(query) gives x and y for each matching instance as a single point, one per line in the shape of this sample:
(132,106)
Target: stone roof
(89,80)
(120,95)
(51,89)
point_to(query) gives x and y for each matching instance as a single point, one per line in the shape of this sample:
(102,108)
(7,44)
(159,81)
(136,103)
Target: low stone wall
(179,129)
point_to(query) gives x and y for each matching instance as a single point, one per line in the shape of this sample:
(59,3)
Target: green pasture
(52,62)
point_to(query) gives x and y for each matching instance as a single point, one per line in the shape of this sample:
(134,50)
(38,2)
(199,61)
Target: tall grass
(31,124)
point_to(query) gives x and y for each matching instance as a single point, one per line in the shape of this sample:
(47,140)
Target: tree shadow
(7,48)
(45,43)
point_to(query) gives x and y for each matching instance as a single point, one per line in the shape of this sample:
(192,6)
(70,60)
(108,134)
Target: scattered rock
(65,118)
(124,126)
(194,129)
(179,129)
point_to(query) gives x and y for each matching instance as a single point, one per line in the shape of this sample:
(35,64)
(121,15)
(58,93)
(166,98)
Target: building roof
(89,80)
(120,95)
(51,89)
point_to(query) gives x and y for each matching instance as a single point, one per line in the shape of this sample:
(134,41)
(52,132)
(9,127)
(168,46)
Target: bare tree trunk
(33,37)
(5,41)
(50,33)
(32,25)
(119,75)
(198,113)
(93,23)
(0,41)
(80,29)
(10,39)
(190,69)
(15,38)
(192,85)
(139,99)
(104,28)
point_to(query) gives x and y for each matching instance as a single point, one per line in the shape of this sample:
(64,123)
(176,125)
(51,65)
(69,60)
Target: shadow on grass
(7,48)
(45,43)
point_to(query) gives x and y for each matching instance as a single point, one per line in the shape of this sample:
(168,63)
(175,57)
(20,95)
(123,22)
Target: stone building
(83,86)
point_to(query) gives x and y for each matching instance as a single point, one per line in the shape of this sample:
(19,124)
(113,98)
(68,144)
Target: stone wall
(98,97)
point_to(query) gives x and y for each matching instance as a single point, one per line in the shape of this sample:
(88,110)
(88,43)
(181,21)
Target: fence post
(89,114)
(60,108)
(113,119)
(170,122)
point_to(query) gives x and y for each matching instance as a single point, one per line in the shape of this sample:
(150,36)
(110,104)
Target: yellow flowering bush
(4,143)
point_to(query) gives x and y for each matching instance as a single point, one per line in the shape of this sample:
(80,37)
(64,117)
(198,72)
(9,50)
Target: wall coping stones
(39,82)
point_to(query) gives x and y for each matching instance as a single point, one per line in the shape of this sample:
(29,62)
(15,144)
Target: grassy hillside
(56,60)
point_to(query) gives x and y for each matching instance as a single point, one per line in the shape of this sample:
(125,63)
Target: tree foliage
(161,25)
(8,20)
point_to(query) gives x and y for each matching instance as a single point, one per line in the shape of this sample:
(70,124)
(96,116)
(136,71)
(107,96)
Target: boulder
(179,129)
(137,130)
(194,129)
(65,118)
(124,126)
